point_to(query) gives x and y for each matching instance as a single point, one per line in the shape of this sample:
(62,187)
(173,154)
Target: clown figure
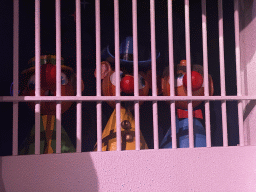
(108,76)
(182,106)
(48,109)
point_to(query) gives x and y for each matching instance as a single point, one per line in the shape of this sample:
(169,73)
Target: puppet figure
(48,109)
(108,77)
(182,106)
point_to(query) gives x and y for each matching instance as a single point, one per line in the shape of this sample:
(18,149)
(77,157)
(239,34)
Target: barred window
(178,64)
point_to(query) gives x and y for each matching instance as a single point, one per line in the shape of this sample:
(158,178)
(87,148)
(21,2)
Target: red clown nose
(196,80)
(127,84)
(48,75)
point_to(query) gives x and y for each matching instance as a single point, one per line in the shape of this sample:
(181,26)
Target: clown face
(48,86)
(181,84)
(108,77)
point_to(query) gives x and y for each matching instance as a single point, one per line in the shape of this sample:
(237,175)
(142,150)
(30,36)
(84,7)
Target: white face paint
(178,81)
(113,77)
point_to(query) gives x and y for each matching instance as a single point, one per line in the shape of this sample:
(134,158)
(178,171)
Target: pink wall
(248,66)
(202,169)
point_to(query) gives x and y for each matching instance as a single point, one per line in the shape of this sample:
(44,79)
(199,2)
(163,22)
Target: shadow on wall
(58,172)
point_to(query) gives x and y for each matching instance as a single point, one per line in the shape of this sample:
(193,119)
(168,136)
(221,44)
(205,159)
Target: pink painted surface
(198,169)
(248,67)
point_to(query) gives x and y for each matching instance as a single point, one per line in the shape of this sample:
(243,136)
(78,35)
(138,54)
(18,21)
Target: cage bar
(126,98)
(117,70)
(222,74)
(98,75)
(37,75)
(154,77)
(58,74)
(206,76)
(238,73)
(78,74)
(171,73)
(189,88)
(79,127)
(15,75)
(136,74)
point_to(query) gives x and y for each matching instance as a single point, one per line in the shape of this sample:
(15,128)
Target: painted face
(126,83)
(181,84)
(48,88)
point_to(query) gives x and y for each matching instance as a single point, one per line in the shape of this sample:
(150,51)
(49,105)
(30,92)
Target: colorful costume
(127,135)
(108,76)
(182,134)
(48,109)
(47,138)
(197,87)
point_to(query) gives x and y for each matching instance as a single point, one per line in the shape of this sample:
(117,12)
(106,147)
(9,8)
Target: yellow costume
(127,135)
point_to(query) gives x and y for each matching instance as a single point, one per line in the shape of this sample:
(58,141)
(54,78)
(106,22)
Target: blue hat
(126,54)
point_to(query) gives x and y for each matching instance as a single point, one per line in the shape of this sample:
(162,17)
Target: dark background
(27,51)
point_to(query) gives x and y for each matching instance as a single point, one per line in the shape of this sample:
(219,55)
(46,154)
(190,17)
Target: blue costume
(182,134)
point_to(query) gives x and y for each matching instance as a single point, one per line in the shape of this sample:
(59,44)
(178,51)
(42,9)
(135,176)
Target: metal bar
(15,75)
(79,127)
(125,98)
(98,75)
(238,73)
(37,76)
(136,73)
(79,77)
(189,88)
(58,127)
(222,74)
(171,74)
(15,129)
(206,76)
(154,77)
(78,48)
(99,126)
(117,70)
(58,74)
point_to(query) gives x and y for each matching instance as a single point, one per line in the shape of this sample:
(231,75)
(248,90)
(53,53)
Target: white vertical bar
(78,48)
(171,74)
(79,77)
(154,77)
(117,69)
(58,75)
(98,75)
(37,76)
(206,76)
(15,129)
(15,75)
(136,73)
(15,47)
(99,126)
(189,89)
(79,127)
(222,75)
(238,74)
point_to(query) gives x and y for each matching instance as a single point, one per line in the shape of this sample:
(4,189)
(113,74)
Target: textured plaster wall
(203,169)
(248,66)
